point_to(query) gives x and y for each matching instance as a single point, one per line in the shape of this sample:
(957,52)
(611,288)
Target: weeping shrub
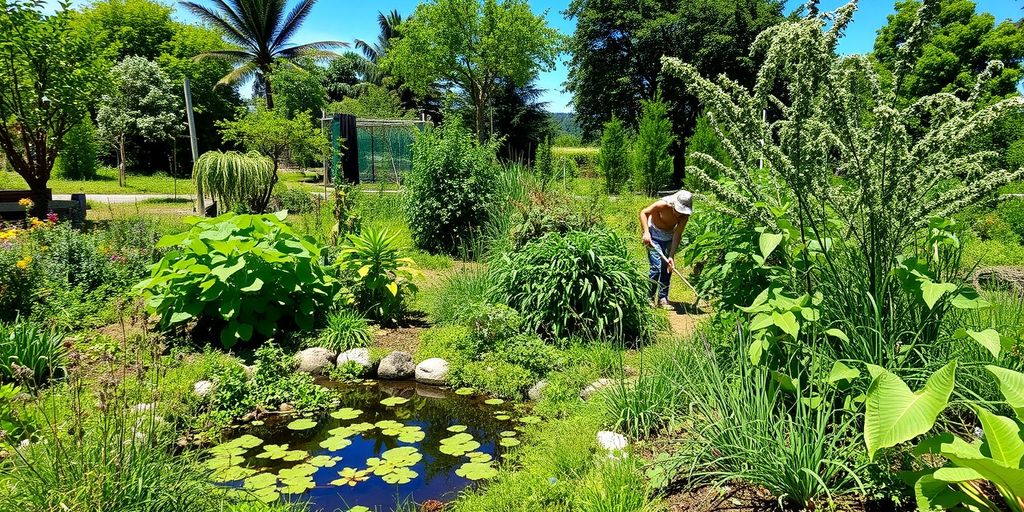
(581,283)
(235,179)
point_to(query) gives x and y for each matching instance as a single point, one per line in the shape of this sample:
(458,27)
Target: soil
(404,338)
(684,318)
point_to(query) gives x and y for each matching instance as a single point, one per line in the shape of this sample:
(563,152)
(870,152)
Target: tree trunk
(270,94)
(120,163)
(265,200)
(40,197)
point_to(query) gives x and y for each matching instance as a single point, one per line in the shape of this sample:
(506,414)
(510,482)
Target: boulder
(614,443)
(286,407)
(535,391)
(595,386)
(360,356)
(315,361)
(432,371)
(202,388)
(396,366)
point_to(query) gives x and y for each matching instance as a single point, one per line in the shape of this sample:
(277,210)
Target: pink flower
(51,217)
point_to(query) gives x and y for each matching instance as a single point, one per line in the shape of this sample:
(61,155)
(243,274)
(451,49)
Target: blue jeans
(660,274)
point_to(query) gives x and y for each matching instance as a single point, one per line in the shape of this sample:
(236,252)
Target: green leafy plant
(240,276)
(613,158)
(582,283)
(273,383)
(345,330)
(33,346)
(234,179)
(450,188)
(294,200)
(77,159)
(379,273)
(542,164)
(652,162)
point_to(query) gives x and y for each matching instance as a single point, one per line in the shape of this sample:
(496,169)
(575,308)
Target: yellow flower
(37,223)
(26,202)
(23,263)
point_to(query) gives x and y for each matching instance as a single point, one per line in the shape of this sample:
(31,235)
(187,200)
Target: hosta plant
(380,275)
(243,277)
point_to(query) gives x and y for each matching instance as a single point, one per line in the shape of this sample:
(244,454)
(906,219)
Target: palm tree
(373,52)
(261,31)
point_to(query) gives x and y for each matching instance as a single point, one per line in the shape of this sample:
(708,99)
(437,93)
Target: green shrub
(542,164)
(240,276)
(237,181)
(450,188)
(993,227)
(615,486)
(453,343)
(652,162)
(1012,211)
(21,275)
(33,346)
(458,289)
(16,425)
(613,158)
(530,352)
(496,377)
(345,330)
(378,273)
(550,212)
(273,383)
(294,200)
(490,323)
(644,406)
(582,284)
(565,168)
(77,157)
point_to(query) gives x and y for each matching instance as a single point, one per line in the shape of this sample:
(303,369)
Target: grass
(574,151)
(106,183)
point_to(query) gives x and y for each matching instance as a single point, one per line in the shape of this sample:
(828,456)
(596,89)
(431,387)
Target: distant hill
(566,123)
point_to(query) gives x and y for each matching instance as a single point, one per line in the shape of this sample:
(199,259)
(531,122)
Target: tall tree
(49,72)
(299,89)
(961,44)
(472,46)
(261,33)
(375,51)
(617,49)
(141,102)
(130,27)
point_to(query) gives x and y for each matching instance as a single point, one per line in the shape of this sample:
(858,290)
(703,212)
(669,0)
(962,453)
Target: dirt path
(684,320)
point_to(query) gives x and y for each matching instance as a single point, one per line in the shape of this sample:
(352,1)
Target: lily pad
(494,401)
(509,442)
(299,471)
(227,450)
(359,508)
(302,424)
(324,461)
(480,457)
(260,481)
(509,433)
(296,485)
(336,443)
(360,427)
(351,477)
(347,413)
(281,452)
(393,401)
(502,417)
(247,441)
(458,445)
(400,476)
(465,391)
(529,420)
(231,474)
(411,434)
(223,461)
(257,423)
(390,427)
(476,471)
(457,428)
(342,432)
(267,494)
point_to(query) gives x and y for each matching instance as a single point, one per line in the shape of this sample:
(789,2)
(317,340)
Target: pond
(384,443)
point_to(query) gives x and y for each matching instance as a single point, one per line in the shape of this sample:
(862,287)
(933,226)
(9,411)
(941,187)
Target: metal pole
(192,138)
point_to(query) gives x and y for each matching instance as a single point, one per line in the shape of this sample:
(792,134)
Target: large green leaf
(895,414)
(1011,385)
(931,292)
(989,338)
(1002,438)
(768,242)
(1009,481)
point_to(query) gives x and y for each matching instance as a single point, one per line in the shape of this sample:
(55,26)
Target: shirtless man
(663,223)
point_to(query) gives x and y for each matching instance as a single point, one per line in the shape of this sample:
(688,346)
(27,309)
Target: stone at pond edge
(396,366)
(286,407)
(594,387)
(202,388)
(614,443)
(360,356)
(315,361)
(536,390)
(432,371)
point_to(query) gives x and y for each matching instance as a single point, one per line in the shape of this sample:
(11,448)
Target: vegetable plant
(243,277)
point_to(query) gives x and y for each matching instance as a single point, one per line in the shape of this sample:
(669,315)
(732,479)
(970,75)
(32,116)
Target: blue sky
(348,20)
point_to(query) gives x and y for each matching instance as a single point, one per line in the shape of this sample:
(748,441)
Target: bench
(11,210)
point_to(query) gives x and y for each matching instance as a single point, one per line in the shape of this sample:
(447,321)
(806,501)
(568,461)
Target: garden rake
(696,296)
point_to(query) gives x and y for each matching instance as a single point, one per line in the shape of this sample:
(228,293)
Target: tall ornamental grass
(234,179)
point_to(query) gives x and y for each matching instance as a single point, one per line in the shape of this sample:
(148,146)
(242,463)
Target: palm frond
(293,21)
(239,74)
(230,31)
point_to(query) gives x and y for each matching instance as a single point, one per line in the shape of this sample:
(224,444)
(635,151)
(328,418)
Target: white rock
(360,356)
(432,371)
(202,388)
(315,361)
(536,390)
(396,366)
(614,443)
(594,387)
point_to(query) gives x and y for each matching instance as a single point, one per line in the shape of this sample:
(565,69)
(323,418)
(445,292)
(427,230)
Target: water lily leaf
(294,455)
(296,485)
(342,432)
(347,413)
(494,401)
(302,424)
(465,391)
(502,417)
(403,456)
(393,401)
(529,420)
(509,442)
(247,441)
(257,423)
(359,508)
(227,450)
(335,443)
(273,451)
(476,471)
(457,428)
(458,445)
(299,471)
(267,495)
(223,461)
(479,457)
(231,474)
(260,481)
(351,477)
(360,427)
(509,433)
(411,434)
(400,476)
(390,427)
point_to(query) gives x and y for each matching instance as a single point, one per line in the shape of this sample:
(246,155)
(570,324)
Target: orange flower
(26,203)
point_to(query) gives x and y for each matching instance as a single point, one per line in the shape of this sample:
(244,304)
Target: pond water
(384,443)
